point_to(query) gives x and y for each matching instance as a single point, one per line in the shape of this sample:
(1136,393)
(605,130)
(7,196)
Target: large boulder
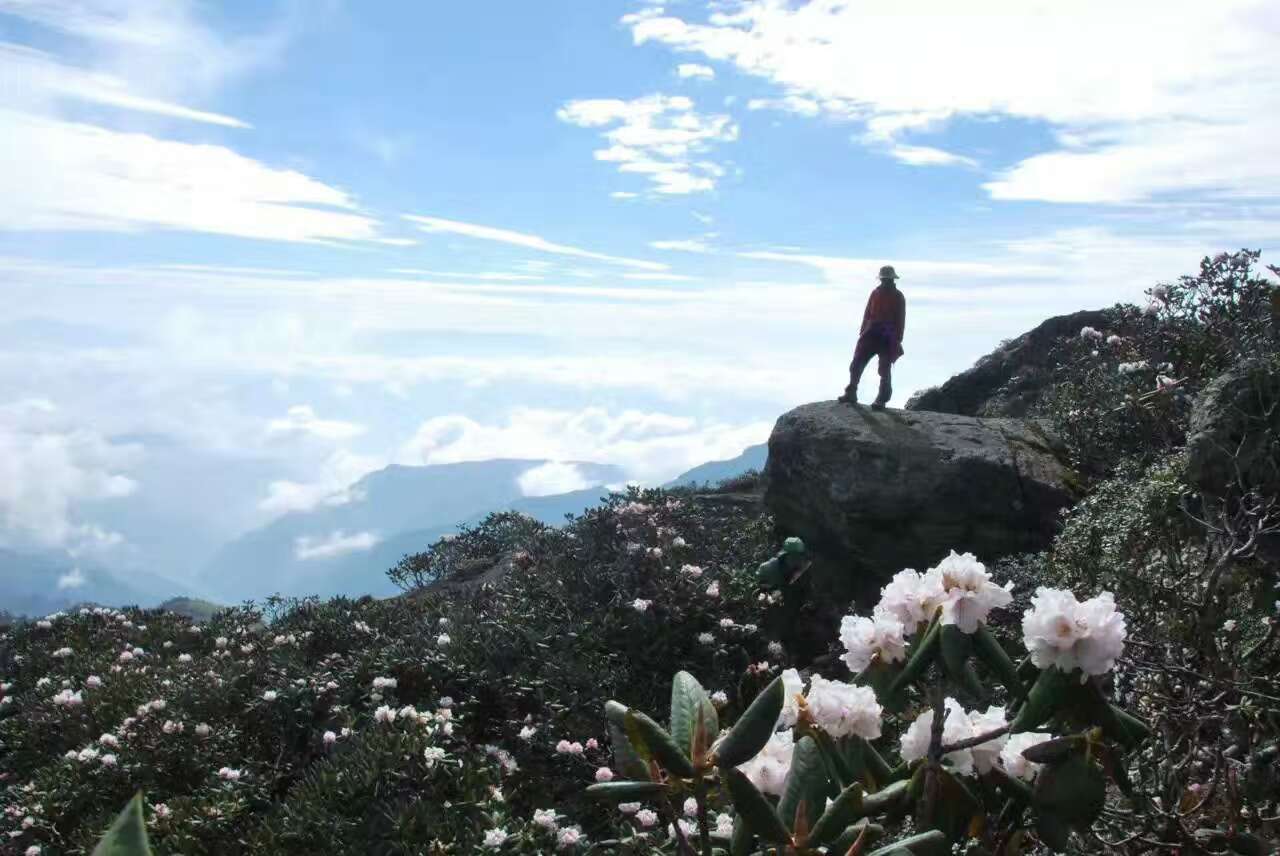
(1233,440)
(874,492)
(1009,380)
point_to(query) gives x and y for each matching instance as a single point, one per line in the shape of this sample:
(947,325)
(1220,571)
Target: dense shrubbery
(470,714)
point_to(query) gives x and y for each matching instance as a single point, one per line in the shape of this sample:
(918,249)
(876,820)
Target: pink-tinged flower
(592,743)
(329,738)
(604,774)
(641,605)
(646,818)
(570,836)
(93,682)
(713,590)
(161,811)
(229,774)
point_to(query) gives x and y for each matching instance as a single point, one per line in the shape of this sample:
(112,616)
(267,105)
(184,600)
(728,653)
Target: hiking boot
(847,397)
(878,404)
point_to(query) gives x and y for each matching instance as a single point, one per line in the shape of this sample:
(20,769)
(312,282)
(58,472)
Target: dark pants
(872,345)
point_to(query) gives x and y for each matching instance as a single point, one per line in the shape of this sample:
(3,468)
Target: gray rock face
(1235,431)
(1009,380)
(873,493)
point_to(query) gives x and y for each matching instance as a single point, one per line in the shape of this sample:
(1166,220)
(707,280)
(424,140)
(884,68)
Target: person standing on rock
(883,323)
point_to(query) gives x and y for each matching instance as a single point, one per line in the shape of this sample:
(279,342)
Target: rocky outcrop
(1009,380)
(1234,435)
(872,493)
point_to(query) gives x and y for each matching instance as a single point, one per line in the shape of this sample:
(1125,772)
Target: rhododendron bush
(911,751)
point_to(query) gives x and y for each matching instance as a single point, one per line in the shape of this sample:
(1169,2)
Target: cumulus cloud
(686,70)
(659,136)
(72,579)
(302,419)
(1134,119)
(336,543)
(649,446)
(333,484)
(522,239)
(49,466)
(552,478)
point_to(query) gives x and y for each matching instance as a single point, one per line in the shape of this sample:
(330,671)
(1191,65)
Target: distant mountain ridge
(38,583)
(343,548)
(714,472)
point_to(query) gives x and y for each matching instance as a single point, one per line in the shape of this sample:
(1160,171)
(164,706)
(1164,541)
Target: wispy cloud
(683,245)
(1132,124)
(336,543)
(302,420)
(698,71)
(522,239)
(928,156)
(659,136)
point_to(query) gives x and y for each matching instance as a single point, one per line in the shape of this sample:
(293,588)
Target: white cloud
(336,543)
(686,70)
(48,467)
(551,478)
(302,419)
(522,239)
(659,136)
(72,579)
(623,194)
(34,76)
(1136,118)
(333,484)
(651,447)
(683,245)
(72,176)
(493,276)
(928,156)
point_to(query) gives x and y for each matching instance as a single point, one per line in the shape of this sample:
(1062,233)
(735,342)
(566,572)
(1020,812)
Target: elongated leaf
(754,808)
(879,769)
(1055,750)
(840,773)
(626,760)
(991,652)
(956,649)
(127,835)
(919,660)
(806,781)
(742,841)
(844,810)
(625,791)
(1071,791)
(1045,698)
(886,800)
(843,844)
(753,729)
(687,697)
(1013,788)
(931,843)
(648,737)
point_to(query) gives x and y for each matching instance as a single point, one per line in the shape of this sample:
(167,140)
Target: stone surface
(872,493)
(1009,380)
(1234,433)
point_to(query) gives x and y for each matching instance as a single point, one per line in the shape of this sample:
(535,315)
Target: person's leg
(886,380)
(862,355)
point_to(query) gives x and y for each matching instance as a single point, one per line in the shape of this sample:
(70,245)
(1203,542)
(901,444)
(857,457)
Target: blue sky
(264,248)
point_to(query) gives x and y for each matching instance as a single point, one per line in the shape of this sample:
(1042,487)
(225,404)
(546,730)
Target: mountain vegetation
(642,680)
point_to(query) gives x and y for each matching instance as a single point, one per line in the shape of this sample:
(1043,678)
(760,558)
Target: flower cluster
(1061,631)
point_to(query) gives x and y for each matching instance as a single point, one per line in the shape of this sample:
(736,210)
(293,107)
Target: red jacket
(886,313)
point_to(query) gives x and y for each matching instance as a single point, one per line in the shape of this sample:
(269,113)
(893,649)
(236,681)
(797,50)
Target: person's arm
(901,319)
(866,314)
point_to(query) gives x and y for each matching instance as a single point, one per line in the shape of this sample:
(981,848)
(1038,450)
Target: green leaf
(1053,831)
(625,758)
(991,652)
(127,836)
(919,660)
(847,838)
(741,842)
(652,741)
(793,546)
(957,647)
(754,808)
(625,791)
(931,843)
(879,769)
(887,799)
(844,810)
(687,698)
(753,729)
(1071,792)
(1046,697)
(806,781)
(1055,750)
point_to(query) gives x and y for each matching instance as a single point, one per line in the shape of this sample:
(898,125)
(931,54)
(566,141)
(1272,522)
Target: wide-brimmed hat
(887,272)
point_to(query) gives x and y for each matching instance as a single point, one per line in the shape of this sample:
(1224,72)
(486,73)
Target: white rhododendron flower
(443,640)
(690,807)
(865,639)
(604,774)
(986,755)
(640,604)
(570,836)
(842,709)
(692,571)
(384,714)
(63,653)
(1011,758)
(432,754)
(792,686)
(544,817)
(384,683)
(628,807)
(646,817)
(768,770)
(1091,334)
(527,732)
(270,695)
(706,638)
(495,838)
(956,727)
(93,682)
(229,774)
(329,738)
(720,698)
(1060,631)
(713,590)
(907,599)
(967,594)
